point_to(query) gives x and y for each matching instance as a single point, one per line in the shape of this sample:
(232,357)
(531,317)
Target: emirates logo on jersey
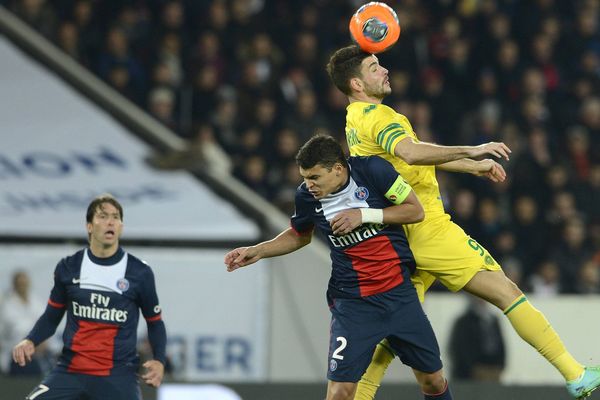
(361,193)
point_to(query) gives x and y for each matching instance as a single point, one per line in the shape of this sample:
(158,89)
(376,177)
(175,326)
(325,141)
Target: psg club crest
(123,284)
(361,193)
(332,365)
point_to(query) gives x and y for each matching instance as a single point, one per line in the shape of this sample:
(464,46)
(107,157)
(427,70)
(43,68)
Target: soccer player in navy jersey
(359,205)
(101,288)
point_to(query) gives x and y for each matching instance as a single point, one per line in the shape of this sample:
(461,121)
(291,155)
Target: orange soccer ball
(374,27)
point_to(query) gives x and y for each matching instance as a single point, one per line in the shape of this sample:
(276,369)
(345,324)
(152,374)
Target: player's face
(376,82)
(321,181)
(106,226)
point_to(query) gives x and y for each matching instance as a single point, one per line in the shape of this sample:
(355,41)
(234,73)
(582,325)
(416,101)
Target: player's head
(104,219)
(358,74)
(323,165)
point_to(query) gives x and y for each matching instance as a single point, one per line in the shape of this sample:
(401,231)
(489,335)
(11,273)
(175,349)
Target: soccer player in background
(441,248)
(101,288)
(359,204)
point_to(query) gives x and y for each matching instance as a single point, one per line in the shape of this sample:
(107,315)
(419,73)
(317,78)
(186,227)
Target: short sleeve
(389,128)
(301,221)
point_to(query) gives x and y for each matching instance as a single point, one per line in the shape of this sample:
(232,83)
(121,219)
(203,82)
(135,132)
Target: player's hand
(491,170)
(498,149)
(23,351)
(241,257)
(155,371)
(346,221)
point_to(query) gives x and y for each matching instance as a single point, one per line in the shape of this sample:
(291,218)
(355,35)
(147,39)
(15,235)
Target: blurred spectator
(37,13)
(588,279)
(546,281)
(477,347)
(530,232)
(161,104)
(572,252)
(19,310)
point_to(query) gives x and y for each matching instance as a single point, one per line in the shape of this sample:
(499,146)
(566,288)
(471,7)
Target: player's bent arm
(406,209)
(423,153)
(409,212)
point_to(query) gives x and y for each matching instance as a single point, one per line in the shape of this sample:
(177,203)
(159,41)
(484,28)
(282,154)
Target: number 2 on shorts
(342,346)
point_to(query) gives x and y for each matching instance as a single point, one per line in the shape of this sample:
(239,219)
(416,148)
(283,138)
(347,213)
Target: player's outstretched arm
(23,352)
(409,211)
(488,168)
(423,153)
(286,242)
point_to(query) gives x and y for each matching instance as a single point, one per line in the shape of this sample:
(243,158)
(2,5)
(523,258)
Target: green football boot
(583,386)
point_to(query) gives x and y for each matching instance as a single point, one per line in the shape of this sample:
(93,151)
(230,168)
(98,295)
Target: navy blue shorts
(357,325)
(62,385)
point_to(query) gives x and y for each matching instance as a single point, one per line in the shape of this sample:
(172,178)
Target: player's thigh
(494,287)
(58,385)
(118,387)
(412,338)
(443,250)
(356,328)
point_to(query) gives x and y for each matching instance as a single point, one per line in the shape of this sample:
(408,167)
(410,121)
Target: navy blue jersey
(373,258)
(102,297)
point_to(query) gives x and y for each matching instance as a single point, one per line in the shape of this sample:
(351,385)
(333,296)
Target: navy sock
(445,395)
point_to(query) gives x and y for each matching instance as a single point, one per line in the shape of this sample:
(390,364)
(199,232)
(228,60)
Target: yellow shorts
(444,251)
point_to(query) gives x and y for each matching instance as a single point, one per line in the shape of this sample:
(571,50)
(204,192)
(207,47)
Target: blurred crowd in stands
(243,81)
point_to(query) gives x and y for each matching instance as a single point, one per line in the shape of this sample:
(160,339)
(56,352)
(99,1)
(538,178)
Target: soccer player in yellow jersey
(441,248)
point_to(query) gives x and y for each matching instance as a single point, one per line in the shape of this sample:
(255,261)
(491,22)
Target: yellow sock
(371,379)
(535,329)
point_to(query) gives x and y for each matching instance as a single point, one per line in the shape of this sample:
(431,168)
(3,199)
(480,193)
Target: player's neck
(364,98)
(101,251)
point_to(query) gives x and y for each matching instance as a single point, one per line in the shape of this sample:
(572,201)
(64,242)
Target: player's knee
(432,383)
(508,294)
(341,391)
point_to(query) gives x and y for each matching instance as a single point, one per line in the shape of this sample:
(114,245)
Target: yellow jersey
(376,129)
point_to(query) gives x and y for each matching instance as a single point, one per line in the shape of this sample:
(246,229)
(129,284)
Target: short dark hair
(323,150)
(97,203)
(344,65)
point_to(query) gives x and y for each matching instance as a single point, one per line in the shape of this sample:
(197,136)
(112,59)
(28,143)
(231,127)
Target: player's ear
(356,84)
(338,168)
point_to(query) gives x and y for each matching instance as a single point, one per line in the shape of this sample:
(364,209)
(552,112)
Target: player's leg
(371,379)
(58,385)
(444,250)
(356,328)
(533,327)
(413,339)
